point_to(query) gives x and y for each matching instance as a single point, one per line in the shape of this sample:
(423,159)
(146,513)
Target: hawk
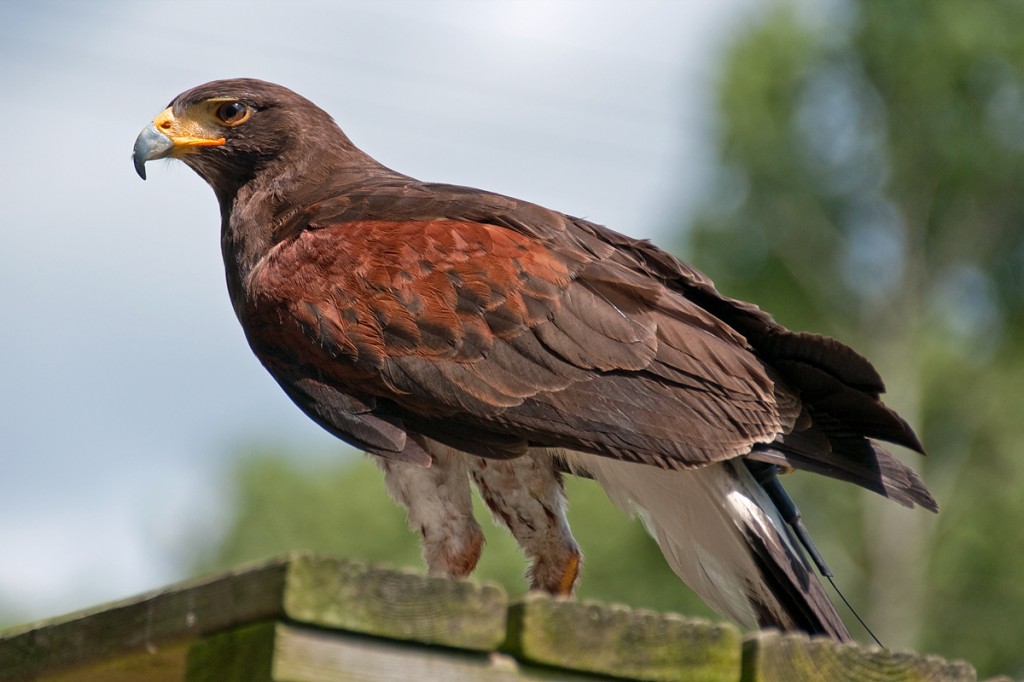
(459,335)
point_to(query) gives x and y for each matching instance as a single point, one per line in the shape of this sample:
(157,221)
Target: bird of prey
(459,335)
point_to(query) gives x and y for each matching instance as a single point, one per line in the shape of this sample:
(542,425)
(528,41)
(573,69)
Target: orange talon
(569,574)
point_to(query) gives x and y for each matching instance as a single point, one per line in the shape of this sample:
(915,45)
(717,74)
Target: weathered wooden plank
(142,627)
(769,656)
(245,654)
(339,615)
(395,604)
(302,654)
(166,664)
(622,642)
(319,591)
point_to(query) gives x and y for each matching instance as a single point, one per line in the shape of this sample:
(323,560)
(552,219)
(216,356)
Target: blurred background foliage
(870,187)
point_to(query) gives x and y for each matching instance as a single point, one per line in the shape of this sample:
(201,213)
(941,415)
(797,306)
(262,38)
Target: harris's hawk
(455,334)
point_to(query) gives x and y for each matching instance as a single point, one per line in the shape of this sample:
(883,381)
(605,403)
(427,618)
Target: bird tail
(722,534)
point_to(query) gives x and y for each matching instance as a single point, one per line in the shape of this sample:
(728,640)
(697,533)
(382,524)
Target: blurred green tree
(871,187)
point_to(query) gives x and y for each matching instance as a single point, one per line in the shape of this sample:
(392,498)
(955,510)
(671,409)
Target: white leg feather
(526,496)
(439,505)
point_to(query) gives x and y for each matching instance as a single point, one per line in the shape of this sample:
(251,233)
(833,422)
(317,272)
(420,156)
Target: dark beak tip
(150,144)
(140,166)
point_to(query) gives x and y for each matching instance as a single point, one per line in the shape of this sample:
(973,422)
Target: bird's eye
(232,113)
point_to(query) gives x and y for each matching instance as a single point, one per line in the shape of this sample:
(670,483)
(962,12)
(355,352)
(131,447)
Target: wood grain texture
(243,654)
(278,652)
(395,604)
(165,664)
(323,592)
(306,618)
(621,642)
(144,626)
(770,656)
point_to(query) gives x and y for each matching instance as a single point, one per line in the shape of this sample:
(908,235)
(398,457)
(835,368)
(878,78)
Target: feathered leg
(526,495)
(439,506)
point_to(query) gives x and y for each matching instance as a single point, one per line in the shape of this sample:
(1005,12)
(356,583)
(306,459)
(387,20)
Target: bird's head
(228,130)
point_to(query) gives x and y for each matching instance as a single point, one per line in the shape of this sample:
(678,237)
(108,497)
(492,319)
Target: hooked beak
(150,144)
(168,136)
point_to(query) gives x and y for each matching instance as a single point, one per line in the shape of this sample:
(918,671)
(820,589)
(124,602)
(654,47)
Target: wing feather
(523,321)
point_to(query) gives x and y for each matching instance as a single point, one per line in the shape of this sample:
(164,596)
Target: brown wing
(461,326)
(490,323)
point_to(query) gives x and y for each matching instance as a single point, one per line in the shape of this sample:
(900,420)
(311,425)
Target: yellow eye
(232,113)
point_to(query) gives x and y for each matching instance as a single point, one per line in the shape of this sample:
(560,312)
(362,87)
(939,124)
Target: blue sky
(127,383)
